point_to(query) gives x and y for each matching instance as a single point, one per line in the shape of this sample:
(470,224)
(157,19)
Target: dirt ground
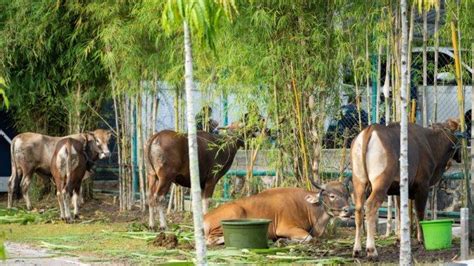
(104,212)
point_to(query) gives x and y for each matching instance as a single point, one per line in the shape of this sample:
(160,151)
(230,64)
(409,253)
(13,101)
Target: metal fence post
(464,233)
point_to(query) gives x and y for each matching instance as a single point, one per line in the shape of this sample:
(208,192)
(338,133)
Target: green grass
(94,240)
(115,242)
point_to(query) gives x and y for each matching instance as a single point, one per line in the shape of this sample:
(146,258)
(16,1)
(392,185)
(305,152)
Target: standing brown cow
(296,214)
(32,153)
(375,163)
(167,160)
(68,167)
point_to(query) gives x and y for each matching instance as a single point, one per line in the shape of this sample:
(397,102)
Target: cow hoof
(163,228)
(76,217)
(152,228)
(372,253)
(281,242)
(357,253)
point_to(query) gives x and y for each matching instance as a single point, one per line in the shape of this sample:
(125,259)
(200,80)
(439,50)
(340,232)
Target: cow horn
(316,185)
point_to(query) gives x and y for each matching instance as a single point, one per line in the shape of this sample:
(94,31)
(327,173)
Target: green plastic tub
(246,233)
(437,234)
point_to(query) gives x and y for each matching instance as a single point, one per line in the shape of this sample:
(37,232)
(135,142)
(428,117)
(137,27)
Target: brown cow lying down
(296,214)
(68,166)
(375,154)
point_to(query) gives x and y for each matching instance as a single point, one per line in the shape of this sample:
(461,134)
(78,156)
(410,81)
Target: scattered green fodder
(3,252)
(20,216)
(58,247)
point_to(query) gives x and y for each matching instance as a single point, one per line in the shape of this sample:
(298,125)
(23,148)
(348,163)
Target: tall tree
(203,17)
(405,248)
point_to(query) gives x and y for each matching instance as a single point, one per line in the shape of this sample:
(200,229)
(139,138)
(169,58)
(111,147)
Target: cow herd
(296,214)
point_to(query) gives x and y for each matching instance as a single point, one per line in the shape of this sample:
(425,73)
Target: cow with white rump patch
(31,153)
(375,154)
(68,166)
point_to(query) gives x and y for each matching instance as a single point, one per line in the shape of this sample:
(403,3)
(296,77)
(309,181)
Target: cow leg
(420,203)
(67,211)
(25,185)
(162,190)
(152,200)
(11,188)
(397,224)
(164,183)
(295,234)
(215,240)
(373,203)
(87,174)
(60,202)
(75,202)
(359,199)
(206,195)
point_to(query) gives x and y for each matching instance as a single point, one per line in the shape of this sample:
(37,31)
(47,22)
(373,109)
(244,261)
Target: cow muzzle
(104,155)
(345,213)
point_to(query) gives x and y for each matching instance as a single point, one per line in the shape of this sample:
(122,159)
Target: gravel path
(22,254)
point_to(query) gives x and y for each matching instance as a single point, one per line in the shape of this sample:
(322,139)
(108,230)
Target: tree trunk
(434,202)
(425,68)
(386,93)
(299,119)
(367,77)
(118,142)
(405,245)
(379,72)
(193,152)
(460,96)
(471,221)
(77,110)
(410,42)
(140,157)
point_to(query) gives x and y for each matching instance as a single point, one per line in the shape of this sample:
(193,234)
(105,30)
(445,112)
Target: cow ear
(313,199)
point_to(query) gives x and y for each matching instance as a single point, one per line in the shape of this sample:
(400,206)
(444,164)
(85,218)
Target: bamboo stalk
(425,68)
(140,151)
(379,70)
(460,98)
(301,136)
(118,137)
(129,154)
(154,105)
(342,162)
(367,75)
(386,93)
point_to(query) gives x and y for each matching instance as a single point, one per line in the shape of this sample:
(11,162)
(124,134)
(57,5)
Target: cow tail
(68,167)
(148,154)
(365,144)
(15,177)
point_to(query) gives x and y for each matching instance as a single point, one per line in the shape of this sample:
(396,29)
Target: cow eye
(332,196)
(97,142)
